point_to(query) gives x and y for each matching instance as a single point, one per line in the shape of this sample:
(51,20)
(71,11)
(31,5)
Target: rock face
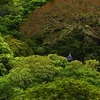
(67,26)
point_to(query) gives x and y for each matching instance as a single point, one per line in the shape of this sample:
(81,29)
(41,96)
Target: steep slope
(67,24)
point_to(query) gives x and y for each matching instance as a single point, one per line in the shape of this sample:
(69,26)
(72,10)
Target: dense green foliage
(45,78)
(31,69)
(18,47)
(5,56)
(12,15)
(77,39)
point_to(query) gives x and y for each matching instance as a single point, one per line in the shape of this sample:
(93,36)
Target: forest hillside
(66,26)
(36,37)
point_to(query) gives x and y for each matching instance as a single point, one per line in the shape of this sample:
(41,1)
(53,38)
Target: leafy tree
(78,70)
(14,13)
(58,61)
(18,47)
(32,70)
(5,55)
(44,77)
(6,90)
(92,63)
(65,89)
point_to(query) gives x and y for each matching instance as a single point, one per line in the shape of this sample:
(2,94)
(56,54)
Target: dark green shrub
(18,47)
(3,70)
(6,90)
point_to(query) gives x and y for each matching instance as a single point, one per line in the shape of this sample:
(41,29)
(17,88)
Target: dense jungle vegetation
(36,36)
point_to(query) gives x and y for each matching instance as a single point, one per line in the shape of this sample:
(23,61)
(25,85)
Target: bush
(76,64)
(6,90)
(92,64)
(58,61)
(20,77)
(36,68)
(4,47)
(3,70)
(39,78)
(18,47)
(65,89)
(5,53)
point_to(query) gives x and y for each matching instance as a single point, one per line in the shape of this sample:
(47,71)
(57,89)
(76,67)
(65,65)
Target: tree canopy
(34,66)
